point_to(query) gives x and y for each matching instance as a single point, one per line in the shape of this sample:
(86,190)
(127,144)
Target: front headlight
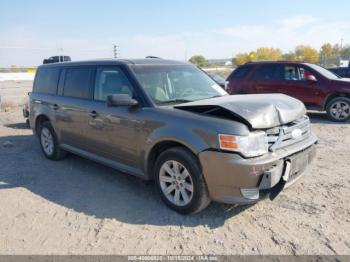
(255,144)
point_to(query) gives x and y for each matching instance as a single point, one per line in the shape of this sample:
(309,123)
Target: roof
(144,61)
(275,62)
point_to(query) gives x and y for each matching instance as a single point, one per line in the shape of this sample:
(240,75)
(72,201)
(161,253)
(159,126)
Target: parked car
(341,71)
(170,122)
(317,87)
(219,80)
(57,59)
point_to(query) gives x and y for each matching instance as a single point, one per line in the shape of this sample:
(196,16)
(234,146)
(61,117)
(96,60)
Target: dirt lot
(76,206)
(14,93)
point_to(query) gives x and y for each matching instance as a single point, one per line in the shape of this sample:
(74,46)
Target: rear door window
(46,81)
(77,82)
(267,72)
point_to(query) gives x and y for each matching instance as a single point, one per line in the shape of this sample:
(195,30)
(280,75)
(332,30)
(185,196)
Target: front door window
(295,73)
(111,81)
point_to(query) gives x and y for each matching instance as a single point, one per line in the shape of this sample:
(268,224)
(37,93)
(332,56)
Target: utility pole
(115,51)
(341,48)
(60,52)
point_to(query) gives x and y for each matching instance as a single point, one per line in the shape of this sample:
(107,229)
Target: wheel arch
(334,95)
(160,147)
(41,118)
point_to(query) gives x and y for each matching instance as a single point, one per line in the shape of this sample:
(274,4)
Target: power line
(53,49)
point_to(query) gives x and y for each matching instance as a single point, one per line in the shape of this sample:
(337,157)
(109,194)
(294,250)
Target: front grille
(289,134)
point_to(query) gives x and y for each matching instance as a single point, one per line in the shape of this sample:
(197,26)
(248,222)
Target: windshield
(218,78)
(167,84)
(326,73)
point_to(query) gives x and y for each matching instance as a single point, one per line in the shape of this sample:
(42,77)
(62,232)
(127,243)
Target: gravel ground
(76,206)
(14,93)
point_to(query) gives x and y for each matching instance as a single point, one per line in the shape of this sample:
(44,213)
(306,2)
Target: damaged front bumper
(235,180)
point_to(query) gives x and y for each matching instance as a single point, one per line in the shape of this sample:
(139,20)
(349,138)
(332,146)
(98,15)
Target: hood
(260,111)
(341,85)
(342,81)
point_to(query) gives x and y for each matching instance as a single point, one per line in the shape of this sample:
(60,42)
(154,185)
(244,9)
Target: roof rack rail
(278,61)
(154,57)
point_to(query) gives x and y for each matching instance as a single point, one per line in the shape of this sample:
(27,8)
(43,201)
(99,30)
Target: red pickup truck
(317,87)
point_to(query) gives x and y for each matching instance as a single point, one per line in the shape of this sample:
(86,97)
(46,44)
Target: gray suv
(170,122)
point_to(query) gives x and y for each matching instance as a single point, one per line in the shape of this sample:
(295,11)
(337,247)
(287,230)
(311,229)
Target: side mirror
(311,78)
(120,100)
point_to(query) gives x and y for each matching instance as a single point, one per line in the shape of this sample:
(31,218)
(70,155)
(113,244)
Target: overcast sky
(34,29)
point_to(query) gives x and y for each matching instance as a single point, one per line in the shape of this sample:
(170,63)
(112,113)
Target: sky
(31,30)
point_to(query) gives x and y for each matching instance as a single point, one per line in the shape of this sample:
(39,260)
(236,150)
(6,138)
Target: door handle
(93,114)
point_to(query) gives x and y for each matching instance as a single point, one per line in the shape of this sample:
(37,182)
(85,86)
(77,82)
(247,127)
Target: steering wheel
(187,91)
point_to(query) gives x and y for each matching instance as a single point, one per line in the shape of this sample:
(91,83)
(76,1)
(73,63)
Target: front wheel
(180,181)
(338,109)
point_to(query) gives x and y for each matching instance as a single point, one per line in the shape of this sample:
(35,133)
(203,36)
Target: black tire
(57,153)
(332,103)
(200,198)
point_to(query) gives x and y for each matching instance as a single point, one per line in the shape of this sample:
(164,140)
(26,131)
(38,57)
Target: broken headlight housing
(253,145)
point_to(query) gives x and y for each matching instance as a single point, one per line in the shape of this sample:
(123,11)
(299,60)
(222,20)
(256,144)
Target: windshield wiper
(210,97)
(216,96)
(175,101)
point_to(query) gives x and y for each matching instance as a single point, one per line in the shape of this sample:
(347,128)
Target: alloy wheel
(340,110)
(176,183)
(47,141)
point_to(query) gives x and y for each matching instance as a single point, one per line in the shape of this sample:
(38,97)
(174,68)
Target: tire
(178,184)
(51,148)
(338,109)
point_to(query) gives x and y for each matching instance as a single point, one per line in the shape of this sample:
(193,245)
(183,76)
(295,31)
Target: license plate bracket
(298,165)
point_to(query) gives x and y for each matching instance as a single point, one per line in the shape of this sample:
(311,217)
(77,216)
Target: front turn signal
(228,142)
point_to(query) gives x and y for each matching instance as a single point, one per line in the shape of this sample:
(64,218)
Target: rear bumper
(235,180)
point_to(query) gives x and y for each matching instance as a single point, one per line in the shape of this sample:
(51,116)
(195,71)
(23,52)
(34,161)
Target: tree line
(328,55)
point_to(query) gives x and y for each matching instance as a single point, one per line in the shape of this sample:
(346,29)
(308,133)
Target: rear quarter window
(240,73)
(77,82)
(46,81)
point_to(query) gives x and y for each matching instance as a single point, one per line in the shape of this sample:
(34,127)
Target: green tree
(240,59)
(345,52)
(326,50)
(291,56)
(252,56)
(267,53)
(328,54)
(261,54)
(336,50)
(306,53)
(199,60)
